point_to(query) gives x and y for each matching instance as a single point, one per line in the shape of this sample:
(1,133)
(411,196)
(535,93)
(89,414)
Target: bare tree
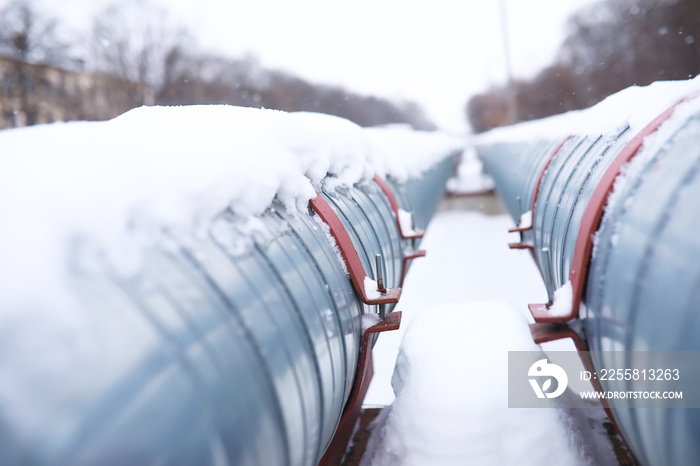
(29,36)
(634,42)
(611,45)
(135,40)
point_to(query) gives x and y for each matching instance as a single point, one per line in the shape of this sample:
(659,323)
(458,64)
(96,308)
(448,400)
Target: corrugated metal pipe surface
(223,356)
(631,256)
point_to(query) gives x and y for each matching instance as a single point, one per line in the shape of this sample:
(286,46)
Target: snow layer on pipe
(404,153)
(451,404)
(526,220)
(635,106)
(563,298)
(371,288)
(369,320)
(115,186)
(635,168)
(406,223)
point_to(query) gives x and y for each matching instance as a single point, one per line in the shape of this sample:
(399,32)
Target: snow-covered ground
(468,260)
(464,307)
(452,383)
(470,177)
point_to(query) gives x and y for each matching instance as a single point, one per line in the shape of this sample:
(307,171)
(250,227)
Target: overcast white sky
(436,52)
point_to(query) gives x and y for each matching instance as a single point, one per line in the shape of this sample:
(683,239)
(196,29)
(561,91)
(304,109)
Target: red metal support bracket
(543,333)
(336,450)
(522,245)
(407,260)
(520,228)
(591,221)
(395,208)
(408,257)
(347,250)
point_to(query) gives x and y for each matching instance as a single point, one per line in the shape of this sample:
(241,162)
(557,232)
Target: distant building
(33,94)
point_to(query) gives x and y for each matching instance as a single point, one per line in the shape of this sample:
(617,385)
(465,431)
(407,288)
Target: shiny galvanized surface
(516,169)
(564,194)
(215,353)
(421,196)
(369,220)
(566,183)
(644,289)
(377,213)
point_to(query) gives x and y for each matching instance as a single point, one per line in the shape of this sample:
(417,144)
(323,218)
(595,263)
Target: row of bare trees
(135,41)
(611,45)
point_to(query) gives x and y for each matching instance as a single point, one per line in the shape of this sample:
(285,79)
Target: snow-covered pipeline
(182,304)
(631,274)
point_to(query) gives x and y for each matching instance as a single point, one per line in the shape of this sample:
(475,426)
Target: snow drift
(451,387)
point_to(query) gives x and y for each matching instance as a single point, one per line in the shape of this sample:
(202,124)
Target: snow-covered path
(468,260)
(464,308)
